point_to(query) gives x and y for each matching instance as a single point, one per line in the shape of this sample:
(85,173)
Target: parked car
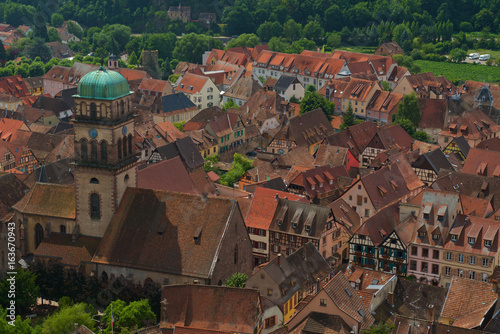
(474,56)
(484,57)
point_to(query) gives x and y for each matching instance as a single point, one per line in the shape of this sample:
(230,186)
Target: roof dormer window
(435,237)
(454,237)
(421,234)
(294,226)
(487,243)
(471,240)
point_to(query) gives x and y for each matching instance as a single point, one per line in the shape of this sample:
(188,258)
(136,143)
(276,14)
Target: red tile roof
(9,128)
(191,83)
(168,175)
(61,246)
(234,310)
(155,85)
(46,199)
(14,85)
(158,223)
(477,294)
(482,162)
(264,205)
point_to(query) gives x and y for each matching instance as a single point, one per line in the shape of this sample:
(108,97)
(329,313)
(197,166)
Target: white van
(484,57)
(474,56)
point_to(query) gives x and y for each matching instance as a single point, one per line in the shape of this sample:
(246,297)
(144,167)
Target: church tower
(105,160)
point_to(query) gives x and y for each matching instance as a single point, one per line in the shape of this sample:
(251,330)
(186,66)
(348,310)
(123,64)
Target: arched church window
(104,151)
(38,235)
(130,144)
(95,206)
(126,178)
(104,277)
(94,180)
(62,229)
(84,149)
(93,111)
(124,146)
(122,107)
(83,108)
(119,148)
(93,145)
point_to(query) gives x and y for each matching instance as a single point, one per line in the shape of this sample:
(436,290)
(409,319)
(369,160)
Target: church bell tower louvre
(105,159)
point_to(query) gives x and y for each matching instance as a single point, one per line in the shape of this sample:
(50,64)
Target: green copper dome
(103,85)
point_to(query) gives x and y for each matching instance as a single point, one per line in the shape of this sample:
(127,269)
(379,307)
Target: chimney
(390,298)
(318,285)
(430,312)
(279,260)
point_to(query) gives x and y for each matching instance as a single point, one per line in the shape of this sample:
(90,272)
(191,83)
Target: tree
(135,315)
(166,70)
(268,30)
(164,43)
(179,125)
(422,136)
(313,31)
(238,280)
(75,29)
(292,30)
(53,35)
(238,20)
(132,60)
(333,40)
(408,108)
(458,55)
(174,63)
(38,48)
(239,166)
(381,328)
(26,291)
(64,320)
(151,66)
(229,104)
(301,45)
(173,78)
(406,124)
(278,44)
(120,34)
(56,20)
(314,100)
(40,31)
(3,53)
(191,47)
(348,119)
(386,86)
(248,40)
(36,69)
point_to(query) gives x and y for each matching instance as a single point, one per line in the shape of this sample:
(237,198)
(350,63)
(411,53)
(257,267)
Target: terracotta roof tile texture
(60,246)
(264,205)
(336,289)
(477,294)
(159,223)
(234,310)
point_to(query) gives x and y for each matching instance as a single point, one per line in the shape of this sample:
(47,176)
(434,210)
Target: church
(104,225)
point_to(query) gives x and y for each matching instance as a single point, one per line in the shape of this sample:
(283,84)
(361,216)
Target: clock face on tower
(93,133)
(124,130)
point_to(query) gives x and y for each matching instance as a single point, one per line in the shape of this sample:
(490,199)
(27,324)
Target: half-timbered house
(393,251)
(458,146)
(364,244)
(381,188)
(428,165)
(321,184)
(386,137)
(295,224)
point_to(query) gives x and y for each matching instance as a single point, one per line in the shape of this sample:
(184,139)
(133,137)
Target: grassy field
(461,72)
(361,49)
